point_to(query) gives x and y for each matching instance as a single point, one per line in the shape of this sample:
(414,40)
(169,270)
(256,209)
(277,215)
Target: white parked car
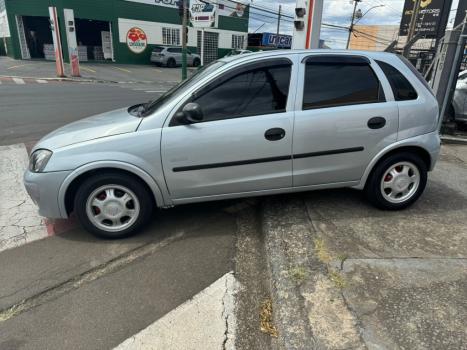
(172,56)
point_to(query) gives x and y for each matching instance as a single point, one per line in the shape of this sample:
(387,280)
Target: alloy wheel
(112,208)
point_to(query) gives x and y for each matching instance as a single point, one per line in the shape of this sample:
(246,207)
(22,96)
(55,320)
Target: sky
(336,12)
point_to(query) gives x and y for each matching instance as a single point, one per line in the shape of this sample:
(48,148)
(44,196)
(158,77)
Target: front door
(343,119)
(244,141)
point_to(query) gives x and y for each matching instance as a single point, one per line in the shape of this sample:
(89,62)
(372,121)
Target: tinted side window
(257,91)
(400,86)
(332,84)
(175,50)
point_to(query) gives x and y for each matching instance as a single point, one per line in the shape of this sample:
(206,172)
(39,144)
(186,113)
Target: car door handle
(376,123)
(274,134)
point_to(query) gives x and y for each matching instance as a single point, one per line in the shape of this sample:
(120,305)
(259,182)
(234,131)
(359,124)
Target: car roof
(272,53)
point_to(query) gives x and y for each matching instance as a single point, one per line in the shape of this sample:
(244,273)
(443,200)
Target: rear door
(343,119)
(244,142)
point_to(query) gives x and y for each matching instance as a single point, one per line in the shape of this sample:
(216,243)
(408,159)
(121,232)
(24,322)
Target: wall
(111,11)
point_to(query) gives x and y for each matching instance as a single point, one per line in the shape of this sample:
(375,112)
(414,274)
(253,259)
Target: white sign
(202,14)
(166,3)
(136,40)
(71,40)
(107,48)
(4,28)
(230,8)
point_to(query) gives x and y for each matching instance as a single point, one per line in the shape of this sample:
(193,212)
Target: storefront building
(123,31)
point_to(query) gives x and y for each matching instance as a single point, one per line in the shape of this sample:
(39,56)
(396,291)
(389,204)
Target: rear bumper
(43,189)
(157,60)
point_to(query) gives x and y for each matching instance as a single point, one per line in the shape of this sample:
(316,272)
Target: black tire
(373,189)
(144,197)
(196,62)
(171,63)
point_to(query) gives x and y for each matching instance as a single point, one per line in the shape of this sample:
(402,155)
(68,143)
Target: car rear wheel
(113,205)
(171,63)
(397,181)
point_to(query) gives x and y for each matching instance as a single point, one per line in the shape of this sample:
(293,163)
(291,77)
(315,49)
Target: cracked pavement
(19,221)
(402,276)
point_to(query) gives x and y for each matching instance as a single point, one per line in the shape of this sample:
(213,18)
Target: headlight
(39,159)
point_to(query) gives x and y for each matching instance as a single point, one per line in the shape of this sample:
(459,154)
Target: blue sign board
(274,40)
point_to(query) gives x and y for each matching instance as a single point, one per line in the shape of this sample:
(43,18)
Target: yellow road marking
(123,69)
(19,65)
(87,69)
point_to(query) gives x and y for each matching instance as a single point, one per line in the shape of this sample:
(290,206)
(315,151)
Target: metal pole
(454,71)
(184,39)
(351,22)
(278,20)
(202,46)
(412,25)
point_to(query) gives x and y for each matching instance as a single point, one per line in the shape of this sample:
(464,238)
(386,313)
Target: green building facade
(105,29)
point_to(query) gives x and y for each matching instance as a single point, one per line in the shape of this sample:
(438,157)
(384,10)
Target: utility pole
(279,19)
(351,22)
(184,39)
(411,30)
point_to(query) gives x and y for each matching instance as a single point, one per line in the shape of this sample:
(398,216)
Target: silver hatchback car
(249,125)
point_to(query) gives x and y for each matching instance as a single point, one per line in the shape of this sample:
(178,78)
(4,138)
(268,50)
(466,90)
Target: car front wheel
(113,205)
(397,181)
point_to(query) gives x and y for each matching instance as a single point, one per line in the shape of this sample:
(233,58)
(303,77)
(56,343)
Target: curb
(452,140)
(288,246)
(83,80)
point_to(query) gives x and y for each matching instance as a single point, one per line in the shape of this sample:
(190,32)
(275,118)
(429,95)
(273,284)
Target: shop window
(238,41)
(171,36)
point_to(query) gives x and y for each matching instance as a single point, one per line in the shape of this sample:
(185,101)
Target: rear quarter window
(401,87)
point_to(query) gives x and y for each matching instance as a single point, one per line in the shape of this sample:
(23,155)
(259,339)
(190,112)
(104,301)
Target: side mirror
(191,113)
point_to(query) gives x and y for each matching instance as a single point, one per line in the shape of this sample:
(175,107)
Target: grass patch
(337,279)
(298,274)
(322,251)
(265,316)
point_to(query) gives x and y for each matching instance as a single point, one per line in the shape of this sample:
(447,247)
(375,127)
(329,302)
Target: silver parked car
(458,110)
(172,57)
(257,124)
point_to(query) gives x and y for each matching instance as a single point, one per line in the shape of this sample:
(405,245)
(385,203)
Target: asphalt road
(29,111)
(181,253)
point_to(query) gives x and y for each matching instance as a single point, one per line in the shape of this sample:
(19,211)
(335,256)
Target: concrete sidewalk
(105,72)
(346,275)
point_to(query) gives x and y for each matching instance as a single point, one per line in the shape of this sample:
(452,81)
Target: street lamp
(357,14)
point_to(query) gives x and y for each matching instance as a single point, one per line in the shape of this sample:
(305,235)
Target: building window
(238,41)
(171,36)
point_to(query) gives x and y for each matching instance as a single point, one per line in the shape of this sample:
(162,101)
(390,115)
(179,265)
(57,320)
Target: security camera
(300,11)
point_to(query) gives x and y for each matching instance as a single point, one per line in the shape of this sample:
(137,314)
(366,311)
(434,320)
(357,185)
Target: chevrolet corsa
(249,125)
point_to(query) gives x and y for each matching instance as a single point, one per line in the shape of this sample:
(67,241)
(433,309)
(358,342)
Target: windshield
(152,106)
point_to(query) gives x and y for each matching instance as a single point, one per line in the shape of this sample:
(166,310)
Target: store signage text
(136,40)
(270,39)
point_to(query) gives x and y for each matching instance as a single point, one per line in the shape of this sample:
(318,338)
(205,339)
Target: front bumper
(43,188)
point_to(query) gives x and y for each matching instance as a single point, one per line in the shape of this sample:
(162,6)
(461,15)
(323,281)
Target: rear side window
(157,49)
(332,83)
(175,50)
(400,86)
